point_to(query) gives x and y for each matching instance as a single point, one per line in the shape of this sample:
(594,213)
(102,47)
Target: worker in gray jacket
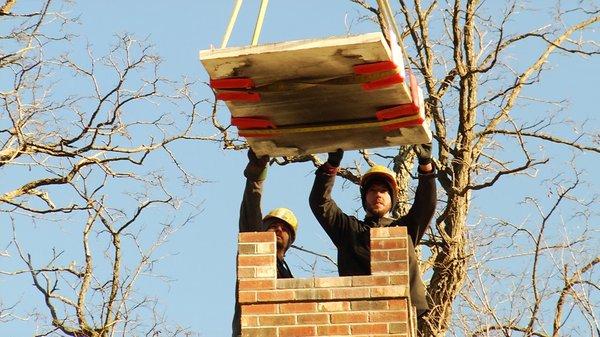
(378,190)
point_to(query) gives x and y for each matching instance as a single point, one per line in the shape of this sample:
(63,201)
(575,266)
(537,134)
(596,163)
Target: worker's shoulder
(357,225)
(393,222)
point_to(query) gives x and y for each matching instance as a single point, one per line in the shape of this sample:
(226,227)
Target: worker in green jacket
(281,221)
(378,190)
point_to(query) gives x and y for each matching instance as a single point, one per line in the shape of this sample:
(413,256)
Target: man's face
(378,199)
(282,233)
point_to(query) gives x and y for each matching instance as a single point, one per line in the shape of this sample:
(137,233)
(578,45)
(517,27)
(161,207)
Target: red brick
(275,295)
(333,330)
(246,272)
(259,309)
(265,248)
(398,231)
(398,254)
(349,317)
(334,306)
(330,282)
(391,232)
(400,304)
(388,244)
(390,291)
(398,328)
(369,329)
(256,260)
(294,283)
(246,248)
(250,237)
(249,321)
(349,293)
(369,305)
(257,284)
(381,232)
(267,271)
(285,308)
(247,296)
(276,320)
(372,280)
(259,332)
(388,316)
(312,294)
(296,331)
(399,279)
(379,255)
(313,318)
(377,267)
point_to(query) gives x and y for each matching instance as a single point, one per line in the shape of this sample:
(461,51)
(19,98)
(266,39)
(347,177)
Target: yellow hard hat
(383,173)
(285,215)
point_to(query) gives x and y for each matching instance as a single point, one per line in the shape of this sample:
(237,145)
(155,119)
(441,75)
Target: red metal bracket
(232,83)
(256,122)
(243,96)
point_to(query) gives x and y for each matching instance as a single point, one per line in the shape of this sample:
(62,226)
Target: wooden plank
(316,128)
(313,82)
(296,59)
(322,138)
(349,139)
(322,103)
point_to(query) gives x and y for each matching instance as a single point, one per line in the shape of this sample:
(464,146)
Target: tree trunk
(402,165)
(449,270)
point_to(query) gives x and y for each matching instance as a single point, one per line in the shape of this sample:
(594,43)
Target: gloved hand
(255,161)
(257,167)
(423,152)
(335,158)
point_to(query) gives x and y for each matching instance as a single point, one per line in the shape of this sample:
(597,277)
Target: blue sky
(201,257)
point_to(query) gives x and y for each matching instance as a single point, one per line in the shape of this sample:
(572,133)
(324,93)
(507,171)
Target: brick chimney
(374,305)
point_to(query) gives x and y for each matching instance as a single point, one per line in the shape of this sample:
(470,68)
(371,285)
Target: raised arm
(250,211)
(419,216)
(335,222)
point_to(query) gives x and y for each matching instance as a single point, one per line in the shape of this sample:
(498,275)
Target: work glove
(257,166)
(423,152)
(335,158)
(256,161)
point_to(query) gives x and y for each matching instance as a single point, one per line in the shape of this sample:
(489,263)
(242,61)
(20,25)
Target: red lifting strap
(383,83)
(378,67)
(243,96)
(397,111)
(369,68)
(232,83)
(256,122)
(395,126)
(412,108)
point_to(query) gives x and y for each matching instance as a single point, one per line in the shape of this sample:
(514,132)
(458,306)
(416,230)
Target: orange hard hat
(285,215)
(379,173)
